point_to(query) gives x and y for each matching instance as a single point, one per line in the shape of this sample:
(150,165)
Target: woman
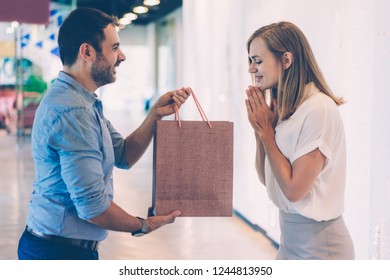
(300,144)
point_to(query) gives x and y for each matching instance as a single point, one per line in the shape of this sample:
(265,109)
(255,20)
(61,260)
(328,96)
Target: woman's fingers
(259,95)
(248,107)
(256,98)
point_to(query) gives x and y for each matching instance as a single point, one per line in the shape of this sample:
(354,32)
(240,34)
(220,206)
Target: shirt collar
(84,93)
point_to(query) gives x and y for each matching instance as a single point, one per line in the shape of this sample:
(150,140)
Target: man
(75,148)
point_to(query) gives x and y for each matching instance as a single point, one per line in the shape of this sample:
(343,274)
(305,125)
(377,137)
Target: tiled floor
(186,239)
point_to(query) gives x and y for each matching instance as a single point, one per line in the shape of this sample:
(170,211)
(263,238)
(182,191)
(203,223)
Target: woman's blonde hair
(285,37)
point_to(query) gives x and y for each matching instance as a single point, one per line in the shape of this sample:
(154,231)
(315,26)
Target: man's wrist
(140,223)
(154,114)
(143,228)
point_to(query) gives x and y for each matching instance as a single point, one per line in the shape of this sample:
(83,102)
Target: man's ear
(287,60)
(86,52)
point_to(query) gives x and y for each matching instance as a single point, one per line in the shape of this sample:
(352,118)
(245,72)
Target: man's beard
(102,72)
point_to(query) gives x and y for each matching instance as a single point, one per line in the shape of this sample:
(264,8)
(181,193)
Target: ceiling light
(124,21)
(130,16)
(9,30)
(151,2)
(15,24)
(140,10)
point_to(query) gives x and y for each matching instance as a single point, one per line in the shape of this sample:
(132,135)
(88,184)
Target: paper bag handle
(201,112)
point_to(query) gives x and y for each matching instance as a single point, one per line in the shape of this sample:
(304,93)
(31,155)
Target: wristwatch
(143,230)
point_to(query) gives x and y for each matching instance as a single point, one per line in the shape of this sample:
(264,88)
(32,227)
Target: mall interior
(202,44)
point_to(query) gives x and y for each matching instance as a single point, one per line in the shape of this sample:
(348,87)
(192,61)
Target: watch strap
(143,230)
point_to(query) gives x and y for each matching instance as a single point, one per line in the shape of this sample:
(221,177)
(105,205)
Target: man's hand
(156,222)
(164,106)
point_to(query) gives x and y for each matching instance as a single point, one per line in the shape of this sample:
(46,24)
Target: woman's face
(263,65)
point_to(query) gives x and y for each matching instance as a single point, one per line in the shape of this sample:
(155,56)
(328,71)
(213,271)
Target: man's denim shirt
(74,148)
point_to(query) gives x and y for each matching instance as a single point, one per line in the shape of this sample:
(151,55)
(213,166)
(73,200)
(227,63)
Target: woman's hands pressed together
(262,117)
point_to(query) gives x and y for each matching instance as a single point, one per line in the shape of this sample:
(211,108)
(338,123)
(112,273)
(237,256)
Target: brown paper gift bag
(193,167)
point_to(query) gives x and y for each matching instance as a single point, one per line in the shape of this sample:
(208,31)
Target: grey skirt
(304,238)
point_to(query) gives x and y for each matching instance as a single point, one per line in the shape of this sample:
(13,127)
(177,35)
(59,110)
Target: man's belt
(86,244)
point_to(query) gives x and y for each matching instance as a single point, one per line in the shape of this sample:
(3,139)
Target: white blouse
(315,124)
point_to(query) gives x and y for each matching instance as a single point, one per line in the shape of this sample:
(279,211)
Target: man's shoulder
(62,103)
(63,98)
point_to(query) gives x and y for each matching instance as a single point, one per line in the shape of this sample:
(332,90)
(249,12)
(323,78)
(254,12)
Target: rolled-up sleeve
(118,143)
(76,136)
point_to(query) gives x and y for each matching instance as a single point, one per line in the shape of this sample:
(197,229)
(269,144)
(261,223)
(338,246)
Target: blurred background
(202,44)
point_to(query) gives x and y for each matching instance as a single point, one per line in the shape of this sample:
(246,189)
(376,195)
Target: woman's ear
(287,60)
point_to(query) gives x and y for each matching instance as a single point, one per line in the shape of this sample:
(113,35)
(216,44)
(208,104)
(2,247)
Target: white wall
(380,135)
(351,40)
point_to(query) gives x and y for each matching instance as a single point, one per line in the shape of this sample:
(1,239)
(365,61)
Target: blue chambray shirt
(75,149)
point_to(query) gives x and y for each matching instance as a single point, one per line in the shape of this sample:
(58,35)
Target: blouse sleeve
(317,131)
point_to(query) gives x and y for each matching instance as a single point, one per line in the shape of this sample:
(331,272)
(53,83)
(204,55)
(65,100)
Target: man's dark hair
(83,25)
